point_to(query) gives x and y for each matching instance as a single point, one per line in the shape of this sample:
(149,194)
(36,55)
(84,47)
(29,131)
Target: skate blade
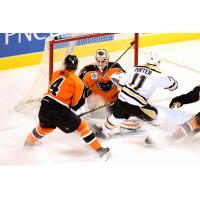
(36,144)
(106,156)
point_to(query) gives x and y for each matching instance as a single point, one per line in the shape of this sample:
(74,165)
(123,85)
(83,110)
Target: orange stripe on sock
(84,129)
(193,123)
(43,131)
(31,138)
(95,144)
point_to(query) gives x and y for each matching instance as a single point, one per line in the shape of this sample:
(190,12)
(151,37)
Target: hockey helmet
(102,58)
(71,62)
(153,59)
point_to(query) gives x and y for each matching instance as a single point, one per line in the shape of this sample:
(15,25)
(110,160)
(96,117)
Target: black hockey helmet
(71,62)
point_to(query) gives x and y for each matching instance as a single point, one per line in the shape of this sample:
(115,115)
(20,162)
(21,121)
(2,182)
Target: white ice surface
(59,148)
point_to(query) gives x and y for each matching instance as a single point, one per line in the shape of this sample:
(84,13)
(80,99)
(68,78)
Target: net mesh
(85,49)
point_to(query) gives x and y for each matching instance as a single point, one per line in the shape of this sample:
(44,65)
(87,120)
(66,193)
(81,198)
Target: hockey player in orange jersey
(96,77)
(65,92)
(192,126)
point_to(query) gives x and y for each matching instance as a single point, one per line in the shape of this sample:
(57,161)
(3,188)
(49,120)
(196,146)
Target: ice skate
(32,144)
(98,131)
(104,153)
(154,143)
(149,142)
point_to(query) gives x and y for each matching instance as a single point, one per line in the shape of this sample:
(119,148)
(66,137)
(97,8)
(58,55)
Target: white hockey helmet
(153,59)
(102,58)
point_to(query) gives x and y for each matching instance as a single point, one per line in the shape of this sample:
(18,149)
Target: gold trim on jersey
(134,95)
(173,86)
(109,125)
(150,113)
(153,68)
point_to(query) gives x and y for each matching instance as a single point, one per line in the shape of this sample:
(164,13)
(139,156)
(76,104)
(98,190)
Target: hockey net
(82,45)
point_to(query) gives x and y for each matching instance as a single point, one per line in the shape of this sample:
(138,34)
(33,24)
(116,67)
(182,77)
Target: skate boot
(98,131)
(28,143)
(149,142)
(104,153)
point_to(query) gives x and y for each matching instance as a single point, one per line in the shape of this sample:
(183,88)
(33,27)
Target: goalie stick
(131,44)
(92,110)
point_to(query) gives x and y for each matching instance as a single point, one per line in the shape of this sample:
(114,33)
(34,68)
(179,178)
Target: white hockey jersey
(140,82)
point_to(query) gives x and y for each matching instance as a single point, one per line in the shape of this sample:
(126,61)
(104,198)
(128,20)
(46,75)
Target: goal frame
(87,36)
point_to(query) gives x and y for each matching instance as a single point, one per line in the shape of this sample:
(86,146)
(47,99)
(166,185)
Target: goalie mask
(153,60)
(71,62)
(102,59)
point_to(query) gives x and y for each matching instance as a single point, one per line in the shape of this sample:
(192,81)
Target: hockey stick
(131,44)
(89,111)
(94,109)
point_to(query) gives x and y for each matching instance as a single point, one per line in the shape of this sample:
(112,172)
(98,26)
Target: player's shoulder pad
(86,69)
(116,65)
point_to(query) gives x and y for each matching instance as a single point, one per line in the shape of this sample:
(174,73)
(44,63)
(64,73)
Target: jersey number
(55,86)
(140,83)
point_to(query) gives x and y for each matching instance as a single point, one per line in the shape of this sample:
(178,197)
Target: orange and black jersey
(67,89)
(93,67)
(106,89)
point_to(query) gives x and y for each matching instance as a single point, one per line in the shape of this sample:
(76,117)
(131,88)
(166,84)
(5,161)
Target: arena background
(25,49)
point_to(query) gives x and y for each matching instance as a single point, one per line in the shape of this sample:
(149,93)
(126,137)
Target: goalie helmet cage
(84,47)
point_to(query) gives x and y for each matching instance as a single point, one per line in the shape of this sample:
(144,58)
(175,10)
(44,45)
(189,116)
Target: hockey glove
(175,103)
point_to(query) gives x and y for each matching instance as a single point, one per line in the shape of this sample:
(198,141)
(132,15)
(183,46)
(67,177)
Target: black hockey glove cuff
(190,97)
(176,102)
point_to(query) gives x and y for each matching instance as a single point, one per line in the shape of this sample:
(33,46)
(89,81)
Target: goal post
(136,47)
(96,38)
(84,46)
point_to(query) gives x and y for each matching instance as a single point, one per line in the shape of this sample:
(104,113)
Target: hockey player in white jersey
(137,85)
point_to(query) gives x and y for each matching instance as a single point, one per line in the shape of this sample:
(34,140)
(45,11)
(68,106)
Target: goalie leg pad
(132,123)
(113,122)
